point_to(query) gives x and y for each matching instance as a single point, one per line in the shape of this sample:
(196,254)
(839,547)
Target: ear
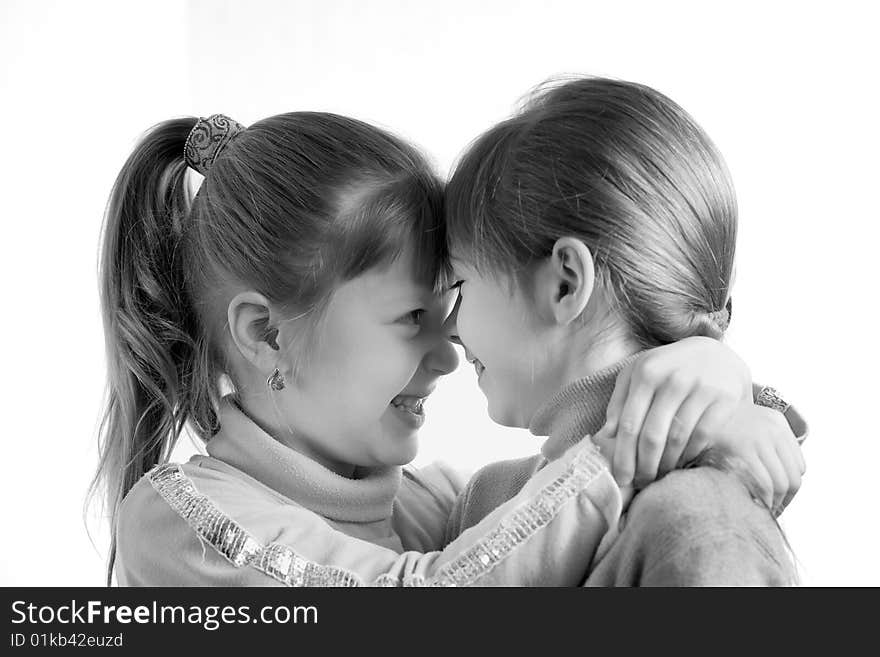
(252,326)
(566,280)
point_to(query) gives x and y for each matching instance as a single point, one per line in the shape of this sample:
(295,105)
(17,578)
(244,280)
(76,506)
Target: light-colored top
(254,512)
(576,411)
(693,527)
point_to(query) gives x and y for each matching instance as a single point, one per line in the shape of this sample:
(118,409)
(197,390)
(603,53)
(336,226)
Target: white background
(788,92)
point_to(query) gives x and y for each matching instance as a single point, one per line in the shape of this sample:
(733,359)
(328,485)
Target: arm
(171,533)
(754,443)
(424,505)
(696,527)
(659,417)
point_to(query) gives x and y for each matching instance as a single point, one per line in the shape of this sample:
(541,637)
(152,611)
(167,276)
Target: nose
(442,358)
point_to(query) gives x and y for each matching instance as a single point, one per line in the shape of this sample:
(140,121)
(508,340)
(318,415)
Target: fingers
(604,440)
(618,397)
(792,462)
(801,462)
(781,448)
(629,426)
(778,476)
(763,479)
(681,431)
(608,434)
(656,440)
(708,426)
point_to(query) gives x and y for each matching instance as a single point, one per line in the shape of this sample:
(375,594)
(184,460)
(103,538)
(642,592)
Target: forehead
(459,263)
(505,283)
(398,282)
(402,275)
(465,268)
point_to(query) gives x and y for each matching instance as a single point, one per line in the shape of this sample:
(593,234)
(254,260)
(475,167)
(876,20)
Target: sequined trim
(386,581)
(283,564)
(232,541)
(514,530)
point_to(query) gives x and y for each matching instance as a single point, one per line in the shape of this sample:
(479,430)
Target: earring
(276,381)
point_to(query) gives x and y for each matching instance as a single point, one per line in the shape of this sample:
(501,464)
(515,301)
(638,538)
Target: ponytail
(151,341)
(272,215)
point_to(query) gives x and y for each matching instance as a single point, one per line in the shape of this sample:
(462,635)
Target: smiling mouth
(479,367)
(410,404)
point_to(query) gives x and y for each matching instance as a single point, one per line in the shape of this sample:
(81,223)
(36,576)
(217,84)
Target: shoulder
(438,479)
(504,479)
(696,499)
(423,504)
(489,488)
(173,492)
(200,523)
(700,526)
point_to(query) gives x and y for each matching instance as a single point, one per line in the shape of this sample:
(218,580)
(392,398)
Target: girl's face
(377,355)
(506,343)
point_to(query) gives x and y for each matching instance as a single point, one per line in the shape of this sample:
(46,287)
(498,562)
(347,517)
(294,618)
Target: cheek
(391,365)
(488,333)
(473,325)
(370,371)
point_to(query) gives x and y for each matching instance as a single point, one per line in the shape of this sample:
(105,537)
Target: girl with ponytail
(159,369)
(598,223)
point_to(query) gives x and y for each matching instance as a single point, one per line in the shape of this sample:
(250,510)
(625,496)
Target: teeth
(476,363)
(411,404)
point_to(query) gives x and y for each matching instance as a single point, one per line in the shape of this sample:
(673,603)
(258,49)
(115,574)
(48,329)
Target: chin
(400,462)
(400,457)
(403,451)
(504,415)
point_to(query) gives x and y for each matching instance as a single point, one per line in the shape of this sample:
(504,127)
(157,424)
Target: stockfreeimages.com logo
(210,617)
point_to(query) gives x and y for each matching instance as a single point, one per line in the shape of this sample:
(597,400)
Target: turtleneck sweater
(576,411)
(694,527)
(572,414)
(366,499)
(255,512)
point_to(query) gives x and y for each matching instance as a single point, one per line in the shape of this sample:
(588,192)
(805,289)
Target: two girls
(305,273)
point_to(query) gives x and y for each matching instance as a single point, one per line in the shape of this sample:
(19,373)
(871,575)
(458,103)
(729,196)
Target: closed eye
(457,302)
(413,317)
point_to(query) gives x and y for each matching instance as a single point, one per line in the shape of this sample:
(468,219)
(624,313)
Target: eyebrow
(412,295)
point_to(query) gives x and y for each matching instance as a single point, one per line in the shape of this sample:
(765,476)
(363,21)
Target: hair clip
(207,138)
(720,318)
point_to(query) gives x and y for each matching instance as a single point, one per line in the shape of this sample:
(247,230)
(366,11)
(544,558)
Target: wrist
(771,398)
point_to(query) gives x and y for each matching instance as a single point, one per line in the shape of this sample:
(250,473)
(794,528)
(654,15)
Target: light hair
(624,169)
(275,213)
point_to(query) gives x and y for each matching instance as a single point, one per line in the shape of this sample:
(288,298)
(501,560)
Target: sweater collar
(576,411)
(245,446)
